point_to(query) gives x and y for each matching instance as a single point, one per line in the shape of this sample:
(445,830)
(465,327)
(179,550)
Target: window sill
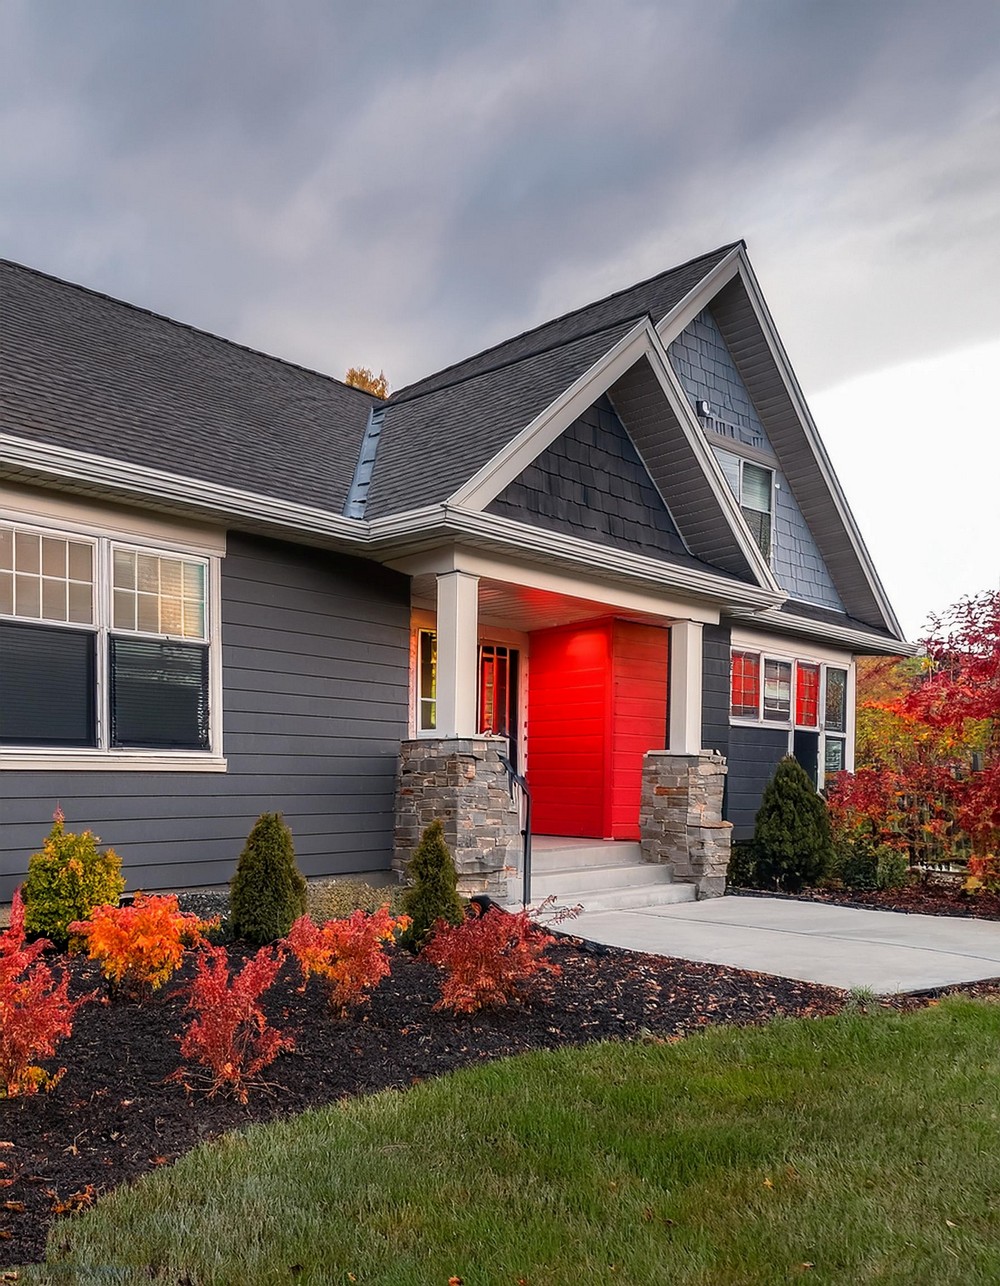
(44,760)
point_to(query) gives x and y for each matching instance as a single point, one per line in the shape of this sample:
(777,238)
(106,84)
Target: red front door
(597,701)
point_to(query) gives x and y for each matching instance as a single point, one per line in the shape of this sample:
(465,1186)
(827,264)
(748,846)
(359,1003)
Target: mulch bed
(916,899)
(111,1118)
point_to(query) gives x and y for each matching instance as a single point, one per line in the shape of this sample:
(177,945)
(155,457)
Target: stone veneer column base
(461,781)
(680,818)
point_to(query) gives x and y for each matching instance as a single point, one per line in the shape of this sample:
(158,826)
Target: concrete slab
(839,946)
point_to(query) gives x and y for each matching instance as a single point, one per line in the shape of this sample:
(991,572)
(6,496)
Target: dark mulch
(916,899)
(112,1118)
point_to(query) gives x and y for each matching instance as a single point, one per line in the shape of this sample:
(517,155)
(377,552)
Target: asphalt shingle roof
(433,443)
(90,373)
(656,296)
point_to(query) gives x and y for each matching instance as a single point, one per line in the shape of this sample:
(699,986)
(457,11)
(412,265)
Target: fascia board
(543,430)
(816,443)
(688,308)
(557,546)
(738,264)
(681,407)
(114,479)
(856,640)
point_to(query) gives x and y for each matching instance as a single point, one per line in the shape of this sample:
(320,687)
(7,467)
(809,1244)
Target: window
(756,492)
(753,487)
(745,701)
(777,690)
(104,646)
(427,681)
(806,694)
(768,689)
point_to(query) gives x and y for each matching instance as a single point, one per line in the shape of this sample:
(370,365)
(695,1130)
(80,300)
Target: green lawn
(855,1149)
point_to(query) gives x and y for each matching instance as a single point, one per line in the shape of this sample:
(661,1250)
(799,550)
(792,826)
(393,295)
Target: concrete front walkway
(839,946)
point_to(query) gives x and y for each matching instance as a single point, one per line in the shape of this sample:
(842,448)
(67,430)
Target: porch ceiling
(523,608)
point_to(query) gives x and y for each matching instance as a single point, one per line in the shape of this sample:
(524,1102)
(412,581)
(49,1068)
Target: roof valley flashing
(103,396)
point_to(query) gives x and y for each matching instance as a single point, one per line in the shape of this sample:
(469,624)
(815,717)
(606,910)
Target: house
(610,552)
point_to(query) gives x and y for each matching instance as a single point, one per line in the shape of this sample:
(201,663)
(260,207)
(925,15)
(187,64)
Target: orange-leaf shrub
(35,1009)
(487,959)
(348,953)
(142,944)
(230,1034)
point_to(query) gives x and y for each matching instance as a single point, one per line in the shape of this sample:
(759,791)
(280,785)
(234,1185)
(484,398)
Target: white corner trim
(543,430)
(700,296)
(45,759)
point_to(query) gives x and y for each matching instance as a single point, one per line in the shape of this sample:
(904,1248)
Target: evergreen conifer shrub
(268,892)
(791,841)
(432,893)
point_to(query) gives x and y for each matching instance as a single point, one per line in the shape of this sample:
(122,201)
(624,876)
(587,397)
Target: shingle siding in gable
(315,678)
(708,373)
(591,483)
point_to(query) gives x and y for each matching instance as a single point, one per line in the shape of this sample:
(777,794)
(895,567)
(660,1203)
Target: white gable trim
(640,342)
(670,327)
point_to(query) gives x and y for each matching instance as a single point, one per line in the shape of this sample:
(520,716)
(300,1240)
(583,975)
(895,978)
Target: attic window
(757,503)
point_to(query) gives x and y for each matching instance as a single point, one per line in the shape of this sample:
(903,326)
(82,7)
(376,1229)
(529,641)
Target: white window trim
(769,557)
(103,757)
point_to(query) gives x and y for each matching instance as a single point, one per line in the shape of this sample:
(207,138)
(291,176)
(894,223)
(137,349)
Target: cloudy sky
(399,184)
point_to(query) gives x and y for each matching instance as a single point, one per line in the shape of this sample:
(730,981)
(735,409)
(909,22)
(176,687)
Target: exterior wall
(754,753)
(715,688)
(591,483)
(707,372)
(315,678)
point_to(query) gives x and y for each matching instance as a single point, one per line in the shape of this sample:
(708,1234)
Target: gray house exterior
(231,585)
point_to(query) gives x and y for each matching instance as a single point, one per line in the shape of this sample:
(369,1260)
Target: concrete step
(630,898)
(549,854)
(590,879)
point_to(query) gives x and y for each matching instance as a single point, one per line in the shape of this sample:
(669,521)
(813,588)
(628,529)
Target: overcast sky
(396,185)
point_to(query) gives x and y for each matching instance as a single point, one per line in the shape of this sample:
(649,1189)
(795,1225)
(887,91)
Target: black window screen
(159,694)
(47,684)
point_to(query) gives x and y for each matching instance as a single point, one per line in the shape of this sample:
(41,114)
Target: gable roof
(86,372)
(656,297)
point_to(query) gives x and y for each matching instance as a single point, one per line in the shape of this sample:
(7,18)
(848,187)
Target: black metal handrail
(515,778)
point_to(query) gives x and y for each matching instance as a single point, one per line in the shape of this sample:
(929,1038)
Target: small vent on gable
(357,497)
(726,428)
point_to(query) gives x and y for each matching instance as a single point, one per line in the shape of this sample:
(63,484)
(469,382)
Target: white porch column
(457,649)
(685,687)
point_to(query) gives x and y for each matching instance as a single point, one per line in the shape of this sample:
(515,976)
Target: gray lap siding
(315,692)
(754,753)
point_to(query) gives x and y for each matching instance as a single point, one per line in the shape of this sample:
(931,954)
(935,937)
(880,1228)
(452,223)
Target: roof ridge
(572,312)
(512,361)
(172,321)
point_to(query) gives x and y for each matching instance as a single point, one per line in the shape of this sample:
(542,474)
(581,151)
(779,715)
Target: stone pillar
(680,817)
(461,781)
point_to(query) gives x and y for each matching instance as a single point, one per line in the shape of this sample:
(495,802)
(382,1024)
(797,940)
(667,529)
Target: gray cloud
(399,184)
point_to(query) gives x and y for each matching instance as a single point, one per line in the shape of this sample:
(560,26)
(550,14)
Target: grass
(864,1148)
(336,899)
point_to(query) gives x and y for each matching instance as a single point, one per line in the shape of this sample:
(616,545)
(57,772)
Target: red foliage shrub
(487,958)
(348,953)
(230,1033)
(35,1010)
(142,944)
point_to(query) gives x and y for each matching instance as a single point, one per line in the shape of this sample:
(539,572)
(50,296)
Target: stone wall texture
(461,781)
(680,818)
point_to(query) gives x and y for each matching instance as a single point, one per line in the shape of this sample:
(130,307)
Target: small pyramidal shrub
(792,845)
(268,891)
(66,880)
(432,891)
